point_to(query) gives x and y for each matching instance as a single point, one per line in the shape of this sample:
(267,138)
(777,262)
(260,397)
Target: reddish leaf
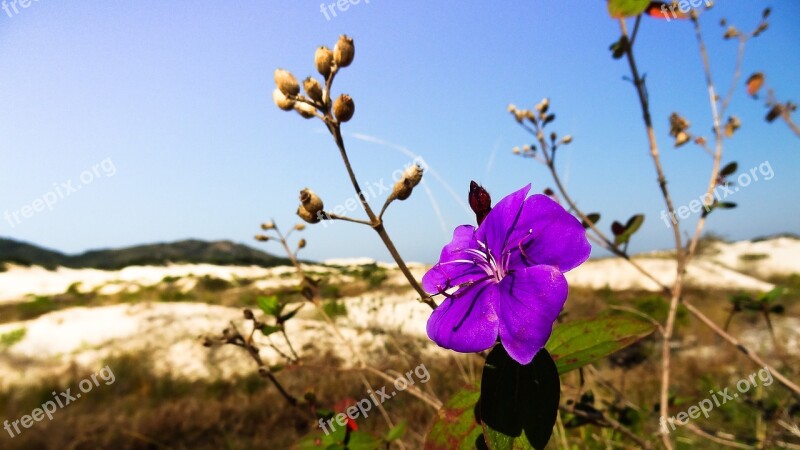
(754,83)
(662,10)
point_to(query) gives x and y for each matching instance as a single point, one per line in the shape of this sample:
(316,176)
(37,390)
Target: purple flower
(508,275)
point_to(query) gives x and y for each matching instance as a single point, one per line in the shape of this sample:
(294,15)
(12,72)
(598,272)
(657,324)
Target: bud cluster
(316,101)
(540,116)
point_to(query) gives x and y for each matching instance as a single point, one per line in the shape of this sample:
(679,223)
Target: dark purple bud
(549,192)
(480,201)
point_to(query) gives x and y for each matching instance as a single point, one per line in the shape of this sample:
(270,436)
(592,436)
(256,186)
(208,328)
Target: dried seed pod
(313,89)
(269,225)
(344,108)
(344,51)
(301,243)
(305,110)
(410,179)
(311,201)
(323,59)
(281,101)
(307,216)
(261,238)
(286,82)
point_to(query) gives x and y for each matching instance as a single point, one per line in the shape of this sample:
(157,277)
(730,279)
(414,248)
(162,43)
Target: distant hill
(29,255)
(224,253)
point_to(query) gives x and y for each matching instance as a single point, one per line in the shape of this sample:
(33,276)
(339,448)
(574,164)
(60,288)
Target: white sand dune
(170,332)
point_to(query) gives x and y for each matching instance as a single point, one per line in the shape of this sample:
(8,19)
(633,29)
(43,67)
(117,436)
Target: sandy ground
(171,332)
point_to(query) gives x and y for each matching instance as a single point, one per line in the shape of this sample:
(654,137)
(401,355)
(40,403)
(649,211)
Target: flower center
(485,260)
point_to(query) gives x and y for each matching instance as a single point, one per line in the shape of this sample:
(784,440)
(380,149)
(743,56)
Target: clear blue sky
(176,97)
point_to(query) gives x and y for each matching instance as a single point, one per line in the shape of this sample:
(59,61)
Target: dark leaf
(518,403)
(617,228)
(729,169)
(592,218)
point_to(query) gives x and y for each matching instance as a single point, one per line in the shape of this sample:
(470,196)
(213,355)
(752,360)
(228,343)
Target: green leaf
(518,404)
(592,218)
(397,431)
(581,342)
(269,329)
(319,440)
(772,295)
(270,305)
(455,427)
(626,8)
(360,440)
(631,227)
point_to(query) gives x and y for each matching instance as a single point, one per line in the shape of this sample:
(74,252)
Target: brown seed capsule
(410,179)
(344,51)
(566,139)
(323,58)
(268,225)
(301,243)
(299,227)
(281,101)
(286,82)
(344,108)
(306,215)
(261,238)
(311,201)
(313,89)
(305,110)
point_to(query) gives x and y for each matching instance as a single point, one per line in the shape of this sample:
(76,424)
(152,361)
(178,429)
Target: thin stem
(286,338)
(735,342)
(601,419)
(787,117)
(347,219)
(376,223)
(680,259)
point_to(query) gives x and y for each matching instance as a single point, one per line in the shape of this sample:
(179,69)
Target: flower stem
(376,222)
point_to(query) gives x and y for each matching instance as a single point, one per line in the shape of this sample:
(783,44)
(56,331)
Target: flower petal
(467,321)
(501,221)
(456,265)
(550,235)
(528,303)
